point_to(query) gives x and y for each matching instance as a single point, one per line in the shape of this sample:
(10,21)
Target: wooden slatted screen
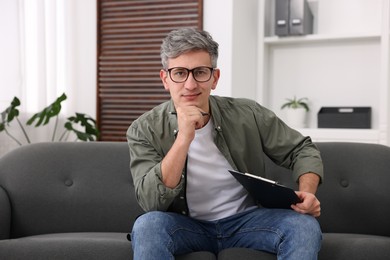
(130,33)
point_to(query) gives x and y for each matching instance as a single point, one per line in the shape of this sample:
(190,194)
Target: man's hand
(308,184)
(189,119)
(309,205)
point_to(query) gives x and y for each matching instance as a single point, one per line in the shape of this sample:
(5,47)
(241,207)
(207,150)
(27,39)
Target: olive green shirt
(244,132)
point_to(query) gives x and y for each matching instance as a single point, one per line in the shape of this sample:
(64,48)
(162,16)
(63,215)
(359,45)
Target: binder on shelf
(282,11)
(301,18)
(293,17)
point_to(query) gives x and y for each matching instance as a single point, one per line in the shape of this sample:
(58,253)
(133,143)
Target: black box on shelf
(293,17)
(344,117)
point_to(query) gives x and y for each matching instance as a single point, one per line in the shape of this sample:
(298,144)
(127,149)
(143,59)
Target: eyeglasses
(200,74)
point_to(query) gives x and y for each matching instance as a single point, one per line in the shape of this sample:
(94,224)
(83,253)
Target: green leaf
(48,112)
(90,133)
(9,113)
(296,103)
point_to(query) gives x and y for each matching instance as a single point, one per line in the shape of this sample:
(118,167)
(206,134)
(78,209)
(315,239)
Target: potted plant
(83,126)
(297,109)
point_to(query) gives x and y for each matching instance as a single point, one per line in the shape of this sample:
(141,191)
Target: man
(181,152)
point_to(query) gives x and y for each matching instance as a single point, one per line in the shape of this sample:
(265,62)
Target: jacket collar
(215,113)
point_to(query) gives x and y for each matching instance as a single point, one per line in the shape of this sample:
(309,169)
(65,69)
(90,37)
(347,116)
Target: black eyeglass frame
(192,72)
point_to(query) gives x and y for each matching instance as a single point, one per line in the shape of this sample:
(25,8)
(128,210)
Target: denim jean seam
(174,230)
(270,230)
(254,229)
(171,232)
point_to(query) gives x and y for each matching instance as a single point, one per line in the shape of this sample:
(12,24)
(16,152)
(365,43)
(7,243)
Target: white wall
(218,21)
(85,53)
(245,42)
(233,24)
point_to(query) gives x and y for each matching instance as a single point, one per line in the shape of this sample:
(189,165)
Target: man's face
(190,92)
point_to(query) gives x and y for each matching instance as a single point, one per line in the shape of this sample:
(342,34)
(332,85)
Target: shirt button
(181,197)
(184,212)
(182,176)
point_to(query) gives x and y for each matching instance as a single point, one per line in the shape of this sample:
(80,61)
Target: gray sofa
(76,201)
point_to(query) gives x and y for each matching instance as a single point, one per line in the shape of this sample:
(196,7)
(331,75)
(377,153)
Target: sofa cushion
(354,190)
(197,256)
(69,187)
(354,246)
(5,214)
(335,246)
(70,246)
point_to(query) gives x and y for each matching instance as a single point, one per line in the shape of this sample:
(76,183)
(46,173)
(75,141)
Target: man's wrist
(309,182)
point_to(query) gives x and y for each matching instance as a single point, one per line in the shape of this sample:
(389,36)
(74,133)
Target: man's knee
(150,229)
(149,222)
(307,231)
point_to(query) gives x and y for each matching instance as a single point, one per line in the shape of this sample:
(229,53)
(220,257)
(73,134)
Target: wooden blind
(129,37)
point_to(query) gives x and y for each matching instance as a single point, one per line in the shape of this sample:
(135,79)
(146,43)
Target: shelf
(326,38)
(345,62)
(341,135)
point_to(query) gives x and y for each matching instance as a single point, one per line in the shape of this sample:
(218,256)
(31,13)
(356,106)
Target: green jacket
(244,132)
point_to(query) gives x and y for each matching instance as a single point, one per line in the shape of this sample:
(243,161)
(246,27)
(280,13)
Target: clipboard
(267,192)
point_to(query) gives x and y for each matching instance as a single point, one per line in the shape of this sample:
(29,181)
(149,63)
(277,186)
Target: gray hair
(184,40)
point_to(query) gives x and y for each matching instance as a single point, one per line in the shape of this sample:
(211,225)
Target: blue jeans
(290,235)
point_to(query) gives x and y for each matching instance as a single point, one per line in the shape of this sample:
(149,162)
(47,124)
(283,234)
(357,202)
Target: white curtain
(36,62)
(48,47)
(45,49)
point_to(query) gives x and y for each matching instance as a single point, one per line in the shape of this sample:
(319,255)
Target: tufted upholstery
(354,198)
(356,184)
(76,201)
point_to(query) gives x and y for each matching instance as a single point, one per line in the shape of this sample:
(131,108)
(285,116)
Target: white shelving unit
(345,62)
(319,38)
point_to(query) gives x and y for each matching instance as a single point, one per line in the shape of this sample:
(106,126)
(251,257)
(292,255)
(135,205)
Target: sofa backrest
(82,187)
(68,187)
(355,193)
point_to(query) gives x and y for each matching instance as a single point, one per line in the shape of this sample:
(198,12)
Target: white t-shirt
(212,192)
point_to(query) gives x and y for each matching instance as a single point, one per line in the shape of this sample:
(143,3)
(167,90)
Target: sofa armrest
(5,215)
